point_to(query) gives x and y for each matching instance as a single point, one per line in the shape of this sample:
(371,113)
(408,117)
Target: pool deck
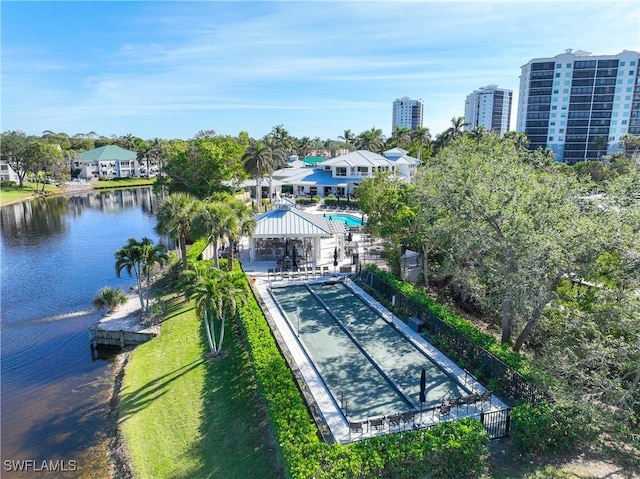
(329,409)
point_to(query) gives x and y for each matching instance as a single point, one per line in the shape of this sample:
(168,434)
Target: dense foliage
(202,166)
(528,245)
(551,427)
(32,157)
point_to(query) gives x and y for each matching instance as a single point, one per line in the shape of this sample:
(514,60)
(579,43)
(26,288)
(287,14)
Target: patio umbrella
(295,256)
(286,247)
(349,237)
(335,257)
(423,386)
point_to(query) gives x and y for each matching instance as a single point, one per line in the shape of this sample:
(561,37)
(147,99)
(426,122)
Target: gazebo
(286,235)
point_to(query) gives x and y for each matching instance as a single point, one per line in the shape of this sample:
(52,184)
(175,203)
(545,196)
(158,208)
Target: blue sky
(170,69)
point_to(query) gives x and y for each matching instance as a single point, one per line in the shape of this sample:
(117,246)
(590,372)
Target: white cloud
(163,62)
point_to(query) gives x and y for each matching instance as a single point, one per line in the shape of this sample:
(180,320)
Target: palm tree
(519,139)
(281,138)
(262,157)
(401,136)
(303,145)
(217,294)
(349,138)
(241,222)
(175,217)
(601,143)
(137,259)
(631,145)
(128,141)
(456,129)
(151,152)
(421,137)
(371,140)
(109,298)
(212,221)
(439,142)
(152,256)
(478,133)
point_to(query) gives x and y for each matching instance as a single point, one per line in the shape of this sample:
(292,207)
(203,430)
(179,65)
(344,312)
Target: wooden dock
(117,338)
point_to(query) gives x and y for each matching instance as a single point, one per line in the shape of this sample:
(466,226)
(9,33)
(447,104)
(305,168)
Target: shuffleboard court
(370,368)
(356,384)
(390,349)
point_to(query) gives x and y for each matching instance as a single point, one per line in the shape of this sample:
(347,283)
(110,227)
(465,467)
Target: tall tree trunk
(146,291)
(219,350)
(210,338)
(140,289)
(529,327)
(425,264)
(507,320)
(183,249)
(259,192)
(230,255)
(216,246)
(544,296)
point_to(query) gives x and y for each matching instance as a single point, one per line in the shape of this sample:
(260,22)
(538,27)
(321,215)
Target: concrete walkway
(127,317)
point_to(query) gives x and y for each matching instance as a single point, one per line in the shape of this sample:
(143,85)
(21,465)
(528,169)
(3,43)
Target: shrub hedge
(333,201)
(448,450)
(551,427)
(303,200)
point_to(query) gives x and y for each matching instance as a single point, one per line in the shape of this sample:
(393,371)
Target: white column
(252,249)
(317,249)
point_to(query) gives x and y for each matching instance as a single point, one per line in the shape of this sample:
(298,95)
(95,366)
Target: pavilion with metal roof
(285,233)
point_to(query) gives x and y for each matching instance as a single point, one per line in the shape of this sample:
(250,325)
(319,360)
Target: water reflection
(31,222)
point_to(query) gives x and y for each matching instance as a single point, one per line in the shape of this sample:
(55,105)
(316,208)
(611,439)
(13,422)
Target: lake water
(56,255)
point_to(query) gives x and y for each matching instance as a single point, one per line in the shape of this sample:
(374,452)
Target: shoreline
(119,460)
(125,316)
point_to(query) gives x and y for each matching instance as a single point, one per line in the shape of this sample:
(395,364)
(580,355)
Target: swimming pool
(350,220)
(370,368)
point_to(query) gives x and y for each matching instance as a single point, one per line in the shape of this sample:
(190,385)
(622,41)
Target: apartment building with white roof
(578,104)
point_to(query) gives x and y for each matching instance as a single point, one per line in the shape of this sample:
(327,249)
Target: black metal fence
(505,382)
(496,423)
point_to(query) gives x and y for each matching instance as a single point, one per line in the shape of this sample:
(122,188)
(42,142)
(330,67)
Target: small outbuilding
(286,234)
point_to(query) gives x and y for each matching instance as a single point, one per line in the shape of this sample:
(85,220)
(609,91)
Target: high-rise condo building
(579,104)
(407,113)
(489,107)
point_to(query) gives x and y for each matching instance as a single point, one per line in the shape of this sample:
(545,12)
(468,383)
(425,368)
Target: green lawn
(9,194)
(183,416)
(123,183)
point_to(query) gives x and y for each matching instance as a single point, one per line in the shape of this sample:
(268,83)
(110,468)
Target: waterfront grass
(12,193)
(122,183)
(183,415)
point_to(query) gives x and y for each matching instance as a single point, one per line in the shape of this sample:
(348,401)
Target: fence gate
(496,423)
